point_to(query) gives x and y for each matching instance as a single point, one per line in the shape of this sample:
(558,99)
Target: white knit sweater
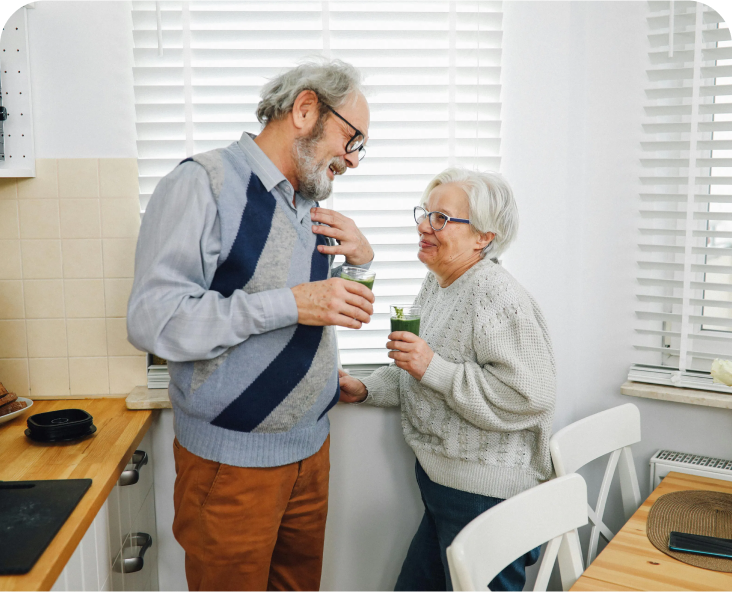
(481,417)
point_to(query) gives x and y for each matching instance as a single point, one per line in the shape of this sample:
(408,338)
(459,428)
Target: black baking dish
(61,424)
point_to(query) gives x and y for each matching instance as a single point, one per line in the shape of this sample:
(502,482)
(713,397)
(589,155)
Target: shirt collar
(271,176)
(262,166)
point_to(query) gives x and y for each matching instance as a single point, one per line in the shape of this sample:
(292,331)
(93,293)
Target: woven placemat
(708,513)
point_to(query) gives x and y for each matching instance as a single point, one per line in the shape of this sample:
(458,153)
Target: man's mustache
(338,165)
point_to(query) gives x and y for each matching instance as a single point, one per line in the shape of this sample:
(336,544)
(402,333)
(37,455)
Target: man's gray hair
(334,81)
(490,201)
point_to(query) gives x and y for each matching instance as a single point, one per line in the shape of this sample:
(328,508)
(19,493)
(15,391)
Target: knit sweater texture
(481,417)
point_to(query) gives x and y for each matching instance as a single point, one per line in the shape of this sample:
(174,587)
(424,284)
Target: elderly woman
(477,387)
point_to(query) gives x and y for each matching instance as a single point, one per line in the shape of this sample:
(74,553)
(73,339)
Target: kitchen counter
(101,457)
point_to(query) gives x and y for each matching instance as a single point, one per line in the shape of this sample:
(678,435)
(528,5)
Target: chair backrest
(550,512)
(609,432)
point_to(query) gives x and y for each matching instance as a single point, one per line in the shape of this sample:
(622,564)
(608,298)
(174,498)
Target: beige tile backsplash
(39,218)
(10,267)
(87,337)
(11,299)
(44,299)
(46,338)
(67,247)
(82,258)
(9,219)
(41,259)
(14,341)
(80,218)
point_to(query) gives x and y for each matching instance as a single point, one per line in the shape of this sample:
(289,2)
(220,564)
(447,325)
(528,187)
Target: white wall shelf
(15,81)
(677,395)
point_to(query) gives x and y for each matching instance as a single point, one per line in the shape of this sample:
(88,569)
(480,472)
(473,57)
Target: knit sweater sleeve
(513,378)
(383,387)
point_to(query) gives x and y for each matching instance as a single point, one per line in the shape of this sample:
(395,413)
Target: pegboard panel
(15,85)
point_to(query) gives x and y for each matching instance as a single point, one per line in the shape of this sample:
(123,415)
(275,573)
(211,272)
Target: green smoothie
(369,283)
(405,318)
(411,325)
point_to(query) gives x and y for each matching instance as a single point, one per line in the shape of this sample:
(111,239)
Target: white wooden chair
(609,432)
(550,512)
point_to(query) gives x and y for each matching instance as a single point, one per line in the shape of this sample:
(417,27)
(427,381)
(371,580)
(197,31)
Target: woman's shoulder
(497,289)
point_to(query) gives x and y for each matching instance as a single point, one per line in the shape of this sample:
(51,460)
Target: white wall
(81,79)
(573,75)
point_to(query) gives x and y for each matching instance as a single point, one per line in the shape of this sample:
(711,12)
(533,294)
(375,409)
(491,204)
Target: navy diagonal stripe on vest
(319,263)
(256,221)
(273,385)
(285,372)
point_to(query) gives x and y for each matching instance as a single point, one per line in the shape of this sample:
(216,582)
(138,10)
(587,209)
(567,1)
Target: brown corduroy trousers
(251,528)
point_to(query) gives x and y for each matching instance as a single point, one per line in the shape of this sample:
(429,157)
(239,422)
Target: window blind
(684,282)
(431,74)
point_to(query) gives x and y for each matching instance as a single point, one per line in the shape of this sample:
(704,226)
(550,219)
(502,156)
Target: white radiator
(665,461)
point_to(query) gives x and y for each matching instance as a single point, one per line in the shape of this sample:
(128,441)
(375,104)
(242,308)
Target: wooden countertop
(101,457)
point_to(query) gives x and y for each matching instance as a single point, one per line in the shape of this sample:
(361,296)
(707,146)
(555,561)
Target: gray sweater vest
(264,401)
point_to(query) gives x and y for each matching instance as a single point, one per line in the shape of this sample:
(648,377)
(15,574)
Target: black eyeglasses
(355,144)
(437,220)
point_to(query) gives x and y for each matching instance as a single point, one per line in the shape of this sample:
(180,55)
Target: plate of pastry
(11,405)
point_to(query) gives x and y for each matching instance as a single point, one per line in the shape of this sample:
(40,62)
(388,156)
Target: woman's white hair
(490,201)
(333,81)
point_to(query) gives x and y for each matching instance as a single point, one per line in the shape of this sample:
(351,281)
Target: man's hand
(352,389)
(413,354)
(353,243)
(333,302)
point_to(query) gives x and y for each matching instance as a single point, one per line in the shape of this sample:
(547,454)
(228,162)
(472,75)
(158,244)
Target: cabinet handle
(133,564)
(132,476)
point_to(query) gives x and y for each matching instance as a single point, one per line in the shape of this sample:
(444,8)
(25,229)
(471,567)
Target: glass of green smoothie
(358,274)
(405,317)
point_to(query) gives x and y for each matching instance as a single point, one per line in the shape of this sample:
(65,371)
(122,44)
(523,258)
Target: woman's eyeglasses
(437,220)
(355,144)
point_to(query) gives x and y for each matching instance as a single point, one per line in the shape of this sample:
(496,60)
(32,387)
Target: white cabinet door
(129,509)
(136,525)
(89,568)
(142,545)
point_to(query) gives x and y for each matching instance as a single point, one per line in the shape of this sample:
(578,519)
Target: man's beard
(312,174)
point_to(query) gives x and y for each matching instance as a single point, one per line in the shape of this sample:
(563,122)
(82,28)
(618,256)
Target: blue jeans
(446,512)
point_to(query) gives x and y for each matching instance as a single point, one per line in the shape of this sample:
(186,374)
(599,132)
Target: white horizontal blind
(684,290)
(432,77)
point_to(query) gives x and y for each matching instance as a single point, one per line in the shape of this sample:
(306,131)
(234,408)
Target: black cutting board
(31,513)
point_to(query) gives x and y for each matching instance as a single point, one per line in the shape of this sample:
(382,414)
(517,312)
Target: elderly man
(232,287)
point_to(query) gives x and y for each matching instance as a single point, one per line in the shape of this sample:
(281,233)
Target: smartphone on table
(699,544)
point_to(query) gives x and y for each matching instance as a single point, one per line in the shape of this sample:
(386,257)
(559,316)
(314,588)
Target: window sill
(677,395)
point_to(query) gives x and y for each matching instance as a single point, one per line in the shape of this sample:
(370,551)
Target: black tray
(62,438)
(62,423)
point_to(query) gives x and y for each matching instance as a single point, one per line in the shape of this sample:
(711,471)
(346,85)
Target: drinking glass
(405,317)
(359,274)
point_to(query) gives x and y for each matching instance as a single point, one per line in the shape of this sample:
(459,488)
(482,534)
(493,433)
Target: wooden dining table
(631,562)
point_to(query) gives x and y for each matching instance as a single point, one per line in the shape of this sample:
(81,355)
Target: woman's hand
(413,354)
(352,389)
